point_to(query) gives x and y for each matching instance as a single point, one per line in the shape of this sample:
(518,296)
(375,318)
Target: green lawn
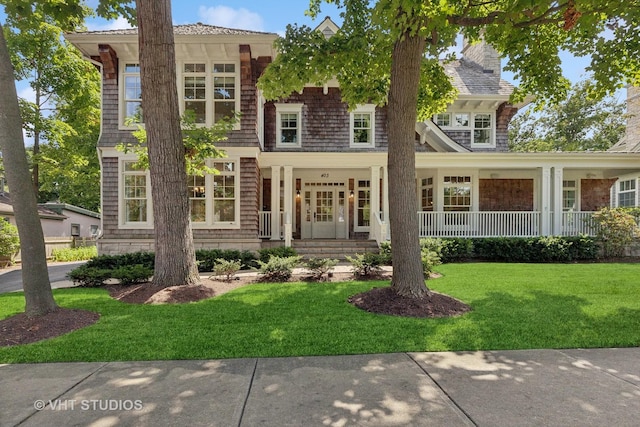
(515,306)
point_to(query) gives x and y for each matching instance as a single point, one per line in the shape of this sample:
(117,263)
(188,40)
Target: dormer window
(480,126)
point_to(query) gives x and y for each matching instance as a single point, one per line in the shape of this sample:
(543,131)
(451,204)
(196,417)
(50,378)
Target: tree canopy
(578,123)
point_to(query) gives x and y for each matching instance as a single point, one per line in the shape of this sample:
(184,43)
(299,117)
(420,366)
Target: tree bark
(408,275)
(175,262)
(35,277)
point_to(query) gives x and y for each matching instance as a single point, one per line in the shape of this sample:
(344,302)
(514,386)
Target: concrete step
(337,249)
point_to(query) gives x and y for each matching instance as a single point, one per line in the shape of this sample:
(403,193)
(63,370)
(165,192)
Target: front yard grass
(514,306)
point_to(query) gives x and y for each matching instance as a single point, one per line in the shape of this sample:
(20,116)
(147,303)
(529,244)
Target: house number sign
(324,175)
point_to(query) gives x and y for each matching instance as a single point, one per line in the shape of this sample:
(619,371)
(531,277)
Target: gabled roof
(431,134)
(471,79)
(186,30)
(624,146)
(61,207)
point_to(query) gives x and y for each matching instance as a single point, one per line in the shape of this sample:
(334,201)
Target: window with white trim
(288,125)
(481,125)
(194,79)
(362,126)
(225,92)
(363,205)
(426,194)
(135,192)
(627,193)
(132,95)
(569,192)
(197,198)
(457,193)
(225,193)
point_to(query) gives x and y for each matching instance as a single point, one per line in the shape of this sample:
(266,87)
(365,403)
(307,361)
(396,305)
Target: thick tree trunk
(35,277)
(408,275)
(175,262)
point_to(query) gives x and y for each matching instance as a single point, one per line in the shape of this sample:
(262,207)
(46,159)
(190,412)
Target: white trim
(288,109)
(363,109)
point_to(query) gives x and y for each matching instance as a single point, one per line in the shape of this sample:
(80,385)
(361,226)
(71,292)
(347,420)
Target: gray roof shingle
(471,79)
(186,30)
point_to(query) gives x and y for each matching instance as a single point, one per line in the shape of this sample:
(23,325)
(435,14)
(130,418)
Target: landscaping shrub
(278,269)
(366,265)
(278,251)
(9,241)
(534,249)
(226,268)
(74,254)
(114,261)
(456,249)
(385,253)
(582,247)
(429,260)
(132,274)
(615,230)
(89,276)
(319,267)
(207,258)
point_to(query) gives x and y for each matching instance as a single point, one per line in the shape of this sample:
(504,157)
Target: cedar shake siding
(595,194)
(506,195)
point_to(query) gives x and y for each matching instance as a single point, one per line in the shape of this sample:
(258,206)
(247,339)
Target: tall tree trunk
(175,260)
(408,275)
(35,277)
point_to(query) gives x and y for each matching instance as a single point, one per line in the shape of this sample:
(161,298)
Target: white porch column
(374,199)
(557,201)
(288,204)
(545,202)
(385,189)
(275,202)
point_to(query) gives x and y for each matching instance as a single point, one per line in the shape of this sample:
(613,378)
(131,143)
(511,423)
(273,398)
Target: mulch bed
(387,301)
(20,329)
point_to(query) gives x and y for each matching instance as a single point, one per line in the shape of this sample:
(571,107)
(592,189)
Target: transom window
(362,127)
(627,193)
(288,125)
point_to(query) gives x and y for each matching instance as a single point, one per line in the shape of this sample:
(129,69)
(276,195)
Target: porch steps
(332,248)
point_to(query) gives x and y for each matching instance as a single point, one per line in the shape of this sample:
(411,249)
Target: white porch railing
(378,228)
(479,224)
(576,223)
(264,224)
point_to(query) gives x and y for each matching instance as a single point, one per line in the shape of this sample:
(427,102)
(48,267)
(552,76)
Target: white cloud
(101,25)
(224,16)
(25,91)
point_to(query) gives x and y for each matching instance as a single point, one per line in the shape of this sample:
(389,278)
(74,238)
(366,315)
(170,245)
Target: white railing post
(288,235)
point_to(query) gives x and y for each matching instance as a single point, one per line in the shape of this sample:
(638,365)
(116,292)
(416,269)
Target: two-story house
(306,167)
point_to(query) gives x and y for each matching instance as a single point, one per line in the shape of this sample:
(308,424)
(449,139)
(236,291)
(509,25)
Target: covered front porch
(345,195)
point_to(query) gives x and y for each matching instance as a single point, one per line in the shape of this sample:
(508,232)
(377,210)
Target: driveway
(11,279)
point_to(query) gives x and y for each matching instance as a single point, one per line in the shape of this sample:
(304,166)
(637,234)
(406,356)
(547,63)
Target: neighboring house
(62,224)
(306,168)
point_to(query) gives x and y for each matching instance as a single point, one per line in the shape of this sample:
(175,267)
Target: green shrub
(278,269)
(615,230)
(9,240)
(385,253)
(279,251)
(74,254)
(582,247)
(89,276)
(114,261)
(430,259)
(207,258)
(319,267)
(366,265)
(132,274)
(456,249)
(226,268)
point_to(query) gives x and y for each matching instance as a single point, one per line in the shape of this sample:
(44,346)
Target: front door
(323,208)
(324,212)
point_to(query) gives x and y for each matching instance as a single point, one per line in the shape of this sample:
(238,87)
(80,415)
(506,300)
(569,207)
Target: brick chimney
(484,55)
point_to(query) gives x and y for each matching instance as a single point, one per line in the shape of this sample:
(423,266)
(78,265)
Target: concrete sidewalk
(596,387)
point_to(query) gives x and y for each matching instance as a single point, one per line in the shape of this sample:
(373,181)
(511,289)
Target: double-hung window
(225,193)
(288,125)
(135,195)
(132,95)
(362,127)
(426,194)
(197,198)
(627,193)
(214,199)
(569,193)
(195,91)
(480,125)
(363,206)
(225,93)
